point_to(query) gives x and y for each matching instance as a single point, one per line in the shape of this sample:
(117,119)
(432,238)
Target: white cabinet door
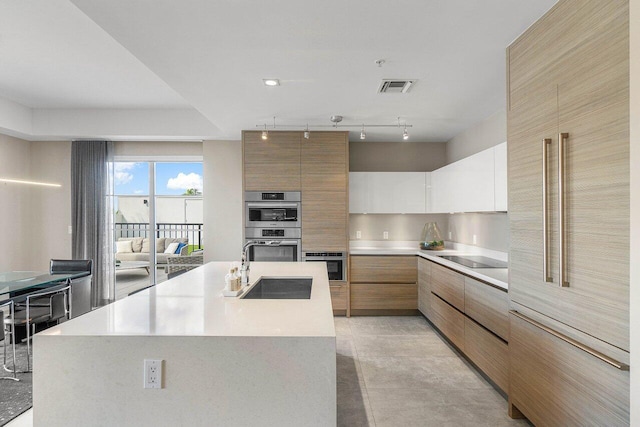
(500,160)
(397,192)
(475,185)
(387,192)
(359,198)
(443,185)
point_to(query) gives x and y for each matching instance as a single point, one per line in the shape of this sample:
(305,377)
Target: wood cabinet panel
(488,306)
(556,383)
(588,99)
(339,293)
(383,269)
(449,320)
(325,161)
(448,285)
(384,296)
(273,164)
(424,287)
(324,221)
(488,352)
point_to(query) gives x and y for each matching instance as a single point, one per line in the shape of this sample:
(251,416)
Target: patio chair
(177,265)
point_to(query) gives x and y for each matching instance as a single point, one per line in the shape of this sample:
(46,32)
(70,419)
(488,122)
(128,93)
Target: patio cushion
(136,244)
(124,246)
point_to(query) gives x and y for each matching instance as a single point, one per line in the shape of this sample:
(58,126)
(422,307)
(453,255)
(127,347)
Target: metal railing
(191,231)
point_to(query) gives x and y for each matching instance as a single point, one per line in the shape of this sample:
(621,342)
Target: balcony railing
(191,231)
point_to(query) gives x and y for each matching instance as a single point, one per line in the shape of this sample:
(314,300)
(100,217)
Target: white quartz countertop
(192,304)
(495,276)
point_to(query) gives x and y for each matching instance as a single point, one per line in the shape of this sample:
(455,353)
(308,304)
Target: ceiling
(206,60)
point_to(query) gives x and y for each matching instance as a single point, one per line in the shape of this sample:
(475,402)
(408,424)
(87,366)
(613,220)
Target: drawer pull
(586,349)
(545,214)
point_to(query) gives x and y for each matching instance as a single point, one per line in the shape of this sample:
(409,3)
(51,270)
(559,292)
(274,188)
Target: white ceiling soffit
(216,53)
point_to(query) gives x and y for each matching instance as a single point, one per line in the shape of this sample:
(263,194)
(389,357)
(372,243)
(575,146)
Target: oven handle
(319,258)
(273,205)
(280,242)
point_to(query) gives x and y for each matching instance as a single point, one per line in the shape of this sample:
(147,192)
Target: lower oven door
(287,251)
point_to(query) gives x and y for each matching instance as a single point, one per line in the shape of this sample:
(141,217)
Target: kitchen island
(227,361)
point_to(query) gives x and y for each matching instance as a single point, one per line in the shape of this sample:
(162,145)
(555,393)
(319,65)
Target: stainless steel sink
(281,288)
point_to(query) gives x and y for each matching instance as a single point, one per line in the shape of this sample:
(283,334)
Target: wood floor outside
(397,371)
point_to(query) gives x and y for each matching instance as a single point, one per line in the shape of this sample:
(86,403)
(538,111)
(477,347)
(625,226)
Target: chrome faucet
(244,268)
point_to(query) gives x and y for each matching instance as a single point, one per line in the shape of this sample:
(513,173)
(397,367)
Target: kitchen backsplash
(491,230)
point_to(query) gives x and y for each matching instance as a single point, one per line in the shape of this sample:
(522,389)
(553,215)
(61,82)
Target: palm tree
(192,192)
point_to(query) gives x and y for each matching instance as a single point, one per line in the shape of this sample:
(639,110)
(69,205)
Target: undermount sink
(281,288)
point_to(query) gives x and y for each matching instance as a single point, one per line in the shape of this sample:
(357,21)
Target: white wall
(223,226)
(634,254)
(15,204)
(486,134)
(51,210)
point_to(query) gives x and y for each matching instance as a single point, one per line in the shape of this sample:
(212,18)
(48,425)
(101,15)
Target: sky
(132,178)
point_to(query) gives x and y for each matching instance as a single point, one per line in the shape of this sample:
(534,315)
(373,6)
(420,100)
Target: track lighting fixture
(336,123)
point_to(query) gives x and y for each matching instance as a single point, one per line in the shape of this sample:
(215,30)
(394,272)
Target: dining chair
(40,307)
(4,334)
(80,300)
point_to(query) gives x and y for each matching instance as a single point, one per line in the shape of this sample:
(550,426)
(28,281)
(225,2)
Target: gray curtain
(92,211)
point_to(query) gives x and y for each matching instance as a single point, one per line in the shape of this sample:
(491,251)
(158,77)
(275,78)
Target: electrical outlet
(385,235)
(153,373)
(358,234)
(475,239)
(70,230)
(450,236)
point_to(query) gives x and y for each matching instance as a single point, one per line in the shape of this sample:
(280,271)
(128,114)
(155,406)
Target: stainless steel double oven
(273,217)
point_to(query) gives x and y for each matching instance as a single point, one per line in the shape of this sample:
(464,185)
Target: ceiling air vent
(395,86)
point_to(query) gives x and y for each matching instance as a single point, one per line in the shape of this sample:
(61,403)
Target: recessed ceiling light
(271,82)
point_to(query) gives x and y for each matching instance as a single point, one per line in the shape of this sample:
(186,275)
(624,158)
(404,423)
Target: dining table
(17,284)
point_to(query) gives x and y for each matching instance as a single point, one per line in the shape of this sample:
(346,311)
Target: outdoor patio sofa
(139,250)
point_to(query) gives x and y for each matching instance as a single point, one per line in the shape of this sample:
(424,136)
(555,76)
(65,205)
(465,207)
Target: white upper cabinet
(477,183)
(387,192)
(500,153)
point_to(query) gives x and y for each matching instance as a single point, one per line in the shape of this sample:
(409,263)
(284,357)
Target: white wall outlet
(153,374)
(358,234)
(70,230)
(450,236)
(385,235)
(475,239)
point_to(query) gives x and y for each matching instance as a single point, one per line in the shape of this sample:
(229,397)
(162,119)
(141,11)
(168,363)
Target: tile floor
(397,371)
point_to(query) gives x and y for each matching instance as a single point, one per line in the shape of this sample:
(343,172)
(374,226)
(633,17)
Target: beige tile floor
(397,371)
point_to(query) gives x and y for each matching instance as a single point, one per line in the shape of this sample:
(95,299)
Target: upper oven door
(273,214)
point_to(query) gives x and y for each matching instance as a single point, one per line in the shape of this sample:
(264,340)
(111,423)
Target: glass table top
(16,281)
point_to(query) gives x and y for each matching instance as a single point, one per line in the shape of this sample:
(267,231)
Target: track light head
(405,134)
(306,134)
(362,134)
(265,134)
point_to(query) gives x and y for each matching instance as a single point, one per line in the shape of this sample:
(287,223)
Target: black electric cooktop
(475,261)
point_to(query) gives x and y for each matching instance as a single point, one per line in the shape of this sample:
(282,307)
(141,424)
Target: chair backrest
(58,306)
(9,305)
(70,265)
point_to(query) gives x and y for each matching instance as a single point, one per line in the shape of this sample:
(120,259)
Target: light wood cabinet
(271,165)
(383,285)
(324,177)
(500,177)
(448,285)
(424,287)
(556,383)
(488,306)
(339,297)
(569,74)
(488,352)
(449,320)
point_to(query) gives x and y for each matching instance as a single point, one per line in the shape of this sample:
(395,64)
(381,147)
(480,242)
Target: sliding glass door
(157,205)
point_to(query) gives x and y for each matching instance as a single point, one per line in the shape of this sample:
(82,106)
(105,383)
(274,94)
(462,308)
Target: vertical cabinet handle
(546,142)
(562,138)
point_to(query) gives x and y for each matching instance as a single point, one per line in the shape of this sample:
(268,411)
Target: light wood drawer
(556,383)
(488,352)
(424,287)
(339,292)
(384,269)
(448,285)
(384,296)
(449,320)
(488,306)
